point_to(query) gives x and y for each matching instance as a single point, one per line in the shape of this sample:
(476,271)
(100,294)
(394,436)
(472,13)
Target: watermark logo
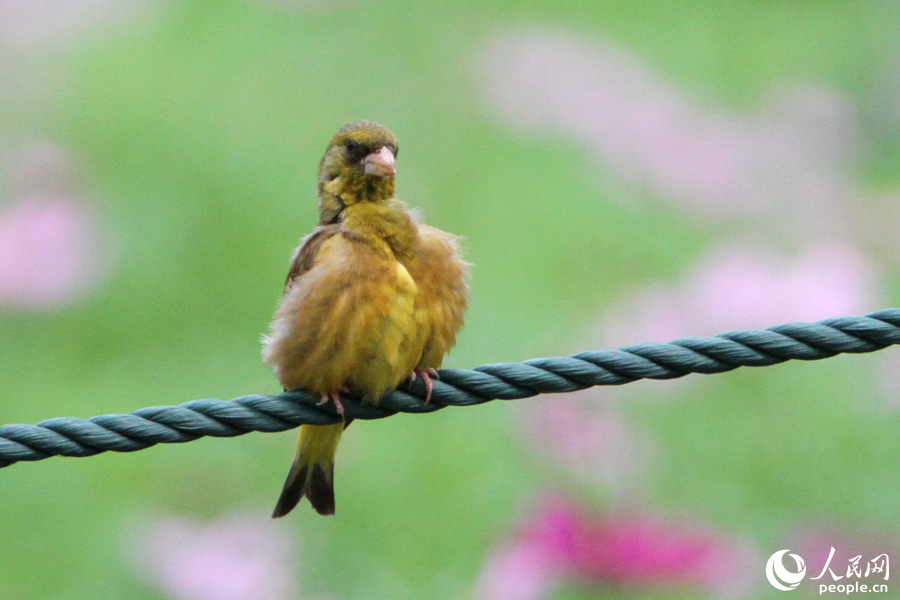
(778,575)
(786,580)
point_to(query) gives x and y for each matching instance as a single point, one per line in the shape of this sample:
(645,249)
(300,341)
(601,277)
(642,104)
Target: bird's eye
(351,145)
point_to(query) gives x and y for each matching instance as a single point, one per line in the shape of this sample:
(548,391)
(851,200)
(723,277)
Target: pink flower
(747,287)
(50,251)
(236,557)
(559,542)
(589,438)
(520,570)
(29,23)
(788,163)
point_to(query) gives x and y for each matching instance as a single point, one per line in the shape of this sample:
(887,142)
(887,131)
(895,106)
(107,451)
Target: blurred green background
(191,133)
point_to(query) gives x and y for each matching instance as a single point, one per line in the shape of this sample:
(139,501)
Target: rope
(504,381)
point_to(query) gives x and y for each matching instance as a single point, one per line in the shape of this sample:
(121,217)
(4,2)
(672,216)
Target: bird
(374,297)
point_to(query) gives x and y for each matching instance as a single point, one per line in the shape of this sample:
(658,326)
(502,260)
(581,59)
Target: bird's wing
(306,252)
(440,274)
(346,319)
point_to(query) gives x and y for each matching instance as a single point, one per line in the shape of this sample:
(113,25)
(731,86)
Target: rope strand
(192,420)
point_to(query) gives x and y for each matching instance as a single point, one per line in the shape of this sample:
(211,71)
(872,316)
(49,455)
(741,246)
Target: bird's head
(358,166)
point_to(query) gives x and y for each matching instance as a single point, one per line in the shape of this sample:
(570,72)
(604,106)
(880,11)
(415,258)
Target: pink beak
(380,163)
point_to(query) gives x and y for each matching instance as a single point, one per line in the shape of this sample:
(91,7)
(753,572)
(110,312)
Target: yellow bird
(373,298)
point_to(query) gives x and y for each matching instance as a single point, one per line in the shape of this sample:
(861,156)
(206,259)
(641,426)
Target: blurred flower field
(622,172)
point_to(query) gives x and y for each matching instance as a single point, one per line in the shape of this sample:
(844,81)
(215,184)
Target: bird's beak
(380,163)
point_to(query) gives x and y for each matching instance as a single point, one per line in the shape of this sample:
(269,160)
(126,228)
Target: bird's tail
(312,472)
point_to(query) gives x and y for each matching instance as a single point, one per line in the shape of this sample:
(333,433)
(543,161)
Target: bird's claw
(333,397)
(426,375)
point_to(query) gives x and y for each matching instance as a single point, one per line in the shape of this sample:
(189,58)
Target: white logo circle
(776,573)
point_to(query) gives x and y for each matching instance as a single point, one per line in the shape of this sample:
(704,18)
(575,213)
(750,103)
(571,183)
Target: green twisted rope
(505,381)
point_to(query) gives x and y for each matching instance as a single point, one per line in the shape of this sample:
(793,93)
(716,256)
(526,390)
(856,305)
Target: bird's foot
(333,397)
(426,375)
